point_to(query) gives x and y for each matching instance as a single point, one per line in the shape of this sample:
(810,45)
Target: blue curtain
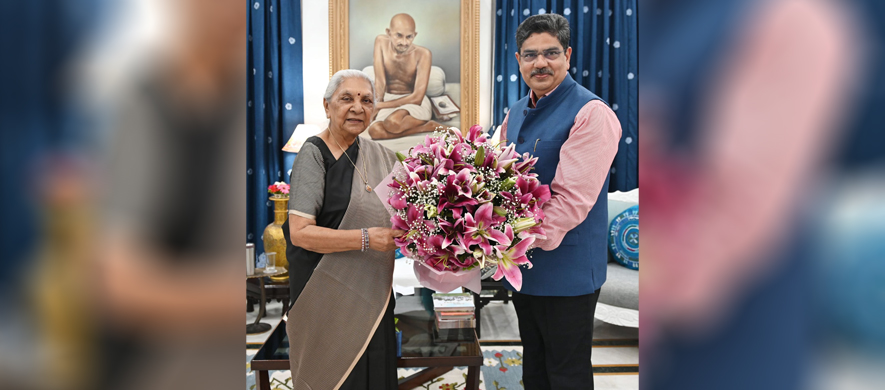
(603,41)
(38,123)
(275,103)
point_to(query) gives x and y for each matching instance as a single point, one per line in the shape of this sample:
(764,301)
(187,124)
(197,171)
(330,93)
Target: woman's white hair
(339,77)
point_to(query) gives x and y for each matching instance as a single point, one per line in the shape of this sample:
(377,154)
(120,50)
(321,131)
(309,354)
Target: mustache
(541,71)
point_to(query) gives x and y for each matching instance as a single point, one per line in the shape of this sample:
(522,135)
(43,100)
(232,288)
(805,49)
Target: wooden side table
(273,290)
(261,273)
(501,294)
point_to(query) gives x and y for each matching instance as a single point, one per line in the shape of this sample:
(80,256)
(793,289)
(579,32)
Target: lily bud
(480,156)
(524,224)
(502,212)
(510,164)
(431,211)
(401,157)
(509,183)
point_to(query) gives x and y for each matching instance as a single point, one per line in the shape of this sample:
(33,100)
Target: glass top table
(423,345)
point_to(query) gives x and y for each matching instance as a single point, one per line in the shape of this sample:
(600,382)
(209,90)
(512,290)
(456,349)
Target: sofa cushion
(623,238)
(621,288)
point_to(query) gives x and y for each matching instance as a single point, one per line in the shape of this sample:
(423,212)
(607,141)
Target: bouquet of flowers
(466,204)
(278,189)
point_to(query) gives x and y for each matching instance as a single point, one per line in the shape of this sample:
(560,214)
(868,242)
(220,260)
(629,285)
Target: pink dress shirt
(584,162)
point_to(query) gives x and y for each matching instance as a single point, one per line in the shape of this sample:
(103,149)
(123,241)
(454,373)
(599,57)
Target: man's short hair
(554,24)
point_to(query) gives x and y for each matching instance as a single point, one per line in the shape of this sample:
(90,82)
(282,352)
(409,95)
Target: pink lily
(527,163)
(439,241)
(412,224)
(475,135)
(397,201)
(465,243)
(533,187)
(443,167)
(457,191)
(466,262)
(511,258)
(423,148)
(480,229)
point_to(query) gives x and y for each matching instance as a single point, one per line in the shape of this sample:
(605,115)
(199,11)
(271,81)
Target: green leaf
(401,157)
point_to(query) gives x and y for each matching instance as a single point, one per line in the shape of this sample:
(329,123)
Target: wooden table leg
(472,378)
(258,326)
(477,303)
(261,380)
(261,304)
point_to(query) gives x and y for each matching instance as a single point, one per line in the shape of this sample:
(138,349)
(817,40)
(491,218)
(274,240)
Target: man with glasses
(575,136)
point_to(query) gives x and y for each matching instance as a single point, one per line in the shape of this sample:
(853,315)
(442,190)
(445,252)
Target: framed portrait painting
(423,56)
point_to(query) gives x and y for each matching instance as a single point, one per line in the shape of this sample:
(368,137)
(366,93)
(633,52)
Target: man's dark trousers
(557,340)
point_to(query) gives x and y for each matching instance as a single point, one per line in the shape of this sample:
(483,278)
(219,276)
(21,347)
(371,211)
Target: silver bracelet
(365,241)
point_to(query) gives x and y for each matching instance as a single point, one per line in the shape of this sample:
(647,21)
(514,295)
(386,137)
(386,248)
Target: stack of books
(454,311)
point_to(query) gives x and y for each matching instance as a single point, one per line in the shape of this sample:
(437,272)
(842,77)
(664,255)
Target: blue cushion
(623,239)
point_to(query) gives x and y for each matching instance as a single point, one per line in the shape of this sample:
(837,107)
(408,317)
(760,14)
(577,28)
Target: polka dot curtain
(275,103)
(40,124)
(603,41)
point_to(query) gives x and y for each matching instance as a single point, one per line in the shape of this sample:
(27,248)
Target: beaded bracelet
(365,241)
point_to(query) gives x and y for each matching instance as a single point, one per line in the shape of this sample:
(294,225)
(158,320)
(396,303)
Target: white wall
(315,36)
(486,35)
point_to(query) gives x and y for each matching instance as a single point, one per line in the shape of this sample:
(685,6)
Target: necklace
(365,180)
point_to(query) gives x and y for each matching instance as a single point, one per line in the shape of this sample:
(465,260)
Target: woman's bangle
(365,240)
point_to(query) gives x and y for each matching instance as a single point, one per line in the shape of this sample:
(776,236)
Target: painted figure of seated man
(402,70)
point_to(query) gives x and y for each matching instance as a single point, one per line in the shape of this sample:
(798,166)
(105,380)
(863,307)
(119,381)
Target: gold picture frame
(339,50)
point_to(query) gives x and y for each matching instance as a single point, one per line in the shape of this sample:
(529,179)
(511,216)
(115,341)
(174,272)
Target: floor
(616,345)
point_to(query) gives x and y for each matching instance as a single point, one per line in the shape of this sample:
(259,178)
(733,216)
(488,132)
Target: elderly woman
(341,330)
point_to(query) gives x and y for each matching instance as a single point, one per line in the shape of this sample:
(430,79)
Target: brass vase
(274,241)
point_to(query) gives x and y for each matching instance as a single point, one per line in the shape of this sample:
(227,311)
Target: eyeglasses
(531,55)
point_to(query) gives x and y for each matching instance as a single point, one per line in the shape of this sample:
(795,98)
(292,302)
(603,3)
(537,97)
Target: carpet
(501,370)
(501,367)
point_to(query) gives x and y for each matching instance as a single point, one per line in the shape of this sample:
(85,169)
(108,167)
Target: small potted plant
(278,190)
